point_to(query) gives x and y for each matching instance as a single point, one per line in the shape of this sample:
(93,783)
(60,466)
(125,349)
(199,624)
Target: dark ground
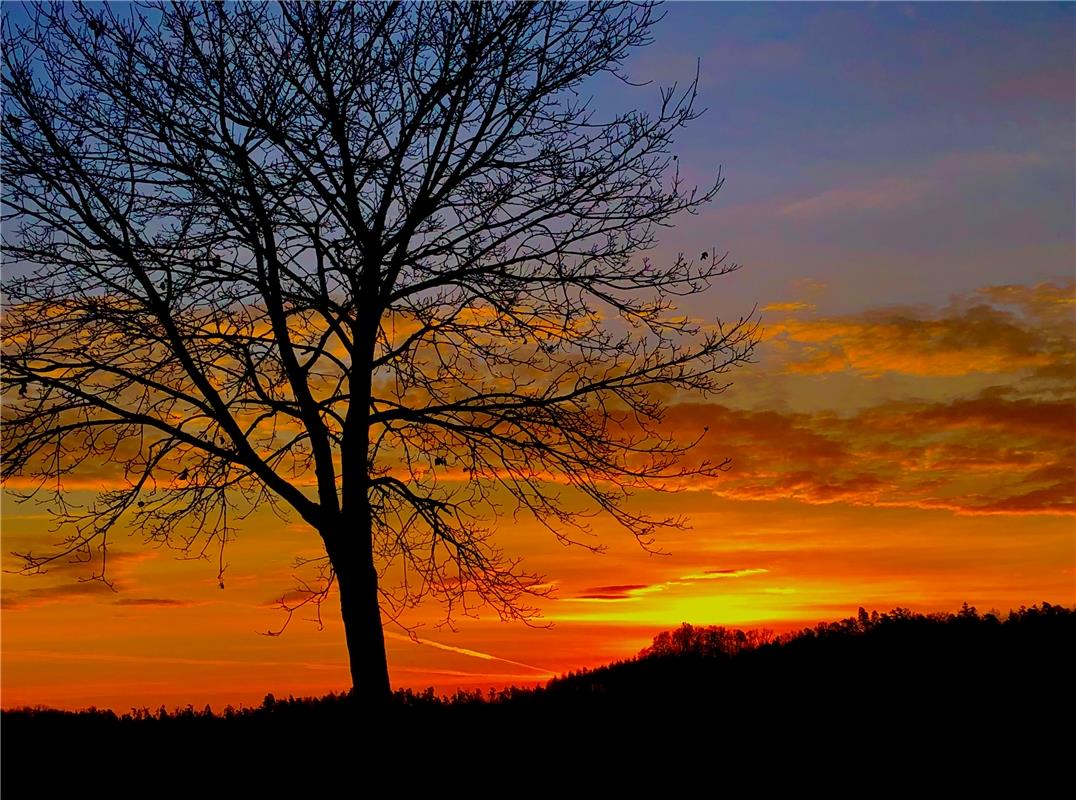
(957,700)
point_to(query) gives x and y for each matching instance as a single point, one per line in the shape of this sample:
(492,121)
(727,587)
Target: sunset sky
(900,189)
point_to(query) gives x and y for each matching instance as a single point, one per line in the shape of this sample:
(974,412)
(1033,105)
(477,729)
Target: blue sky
(895,153)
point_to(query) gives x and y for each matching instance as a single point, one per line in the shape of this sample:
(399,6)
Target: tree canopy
(380,266)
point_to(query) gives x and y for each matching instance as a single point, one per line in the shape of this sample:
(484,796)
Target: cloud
(718,574)
(1060,499)
(75,579)
(1000,329)
(988,454)
(119,562)
(788,307)
(38,595)
(1003,449)
(1052,420)
(162,602)
(83,565)
(886,194)
(619,592)
(919,189)
(1006,449)
(633,591)
(1048,301)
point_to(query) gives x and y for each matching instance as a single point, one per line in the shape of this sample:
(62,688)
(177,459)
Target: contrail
(465,652)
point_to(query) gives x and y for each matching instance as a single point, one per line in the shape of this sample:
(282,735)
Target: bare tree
(382,266)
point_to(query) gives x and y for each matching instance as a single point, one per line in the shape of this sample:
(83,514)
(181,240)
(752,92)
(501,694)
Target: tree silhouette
(380,266)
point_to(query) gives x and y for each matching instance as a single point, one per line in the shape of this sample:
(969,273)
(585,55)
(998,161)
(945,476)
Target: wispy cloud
(788,307)
(157,602)
(12,601)
(885,194)
(66,580)
(618,592)
(634,591)
(719,574)
(890,193)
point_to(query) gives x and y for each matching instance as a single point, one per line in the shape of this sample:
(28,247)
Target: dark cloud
(1059,498)
(617,592)
(66,580)
(150,601)
(38,595)
(734,573)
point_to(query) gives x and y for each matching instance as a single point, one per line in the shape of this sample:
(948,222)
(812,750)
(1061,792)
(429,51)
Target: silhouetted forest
(962,682)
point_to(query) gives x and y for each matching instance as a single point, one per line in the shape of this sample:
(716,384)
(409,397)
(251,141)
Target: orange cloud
(916,454)
(1000,329)
(633,591)
(788,307)
(921,499)
(1044,300)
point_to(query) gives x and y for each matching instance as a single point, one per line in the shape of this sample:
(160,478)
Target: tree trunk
(352,549)
(352,559)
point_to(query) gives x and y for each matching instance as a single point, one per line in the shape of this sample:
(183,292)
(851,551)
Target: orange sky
(900,187)
(840,495)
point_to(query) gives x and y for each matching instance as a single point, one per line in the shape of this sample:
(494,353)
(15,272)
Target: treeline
(899,660)
(932,682)
(917,649)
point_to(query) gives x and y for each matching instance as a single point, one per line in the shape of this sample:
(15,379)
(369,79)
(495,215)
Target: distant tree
(707,641)
(382,266)
(967,612)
